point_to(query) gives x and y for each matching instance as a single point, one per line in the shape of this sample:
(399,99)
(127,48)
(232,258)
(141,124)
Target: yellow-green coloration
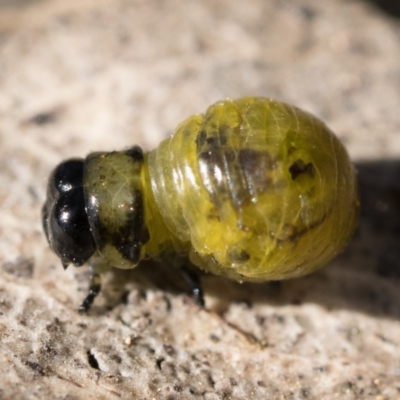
(254,190)
(115,207)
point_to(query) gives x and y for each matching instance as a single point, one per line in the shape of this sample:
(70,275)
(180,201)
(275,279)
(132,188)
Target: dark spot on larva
(255,166)
(224,132)
(299,167)
(212,141)
(213,214)
(127,232)
(238,256)
(136,153)
(290,150)
(215,139)
(130,252)
(253,161)
(289,232)
(129,237)
(214,260)
(145,235)
(201,139)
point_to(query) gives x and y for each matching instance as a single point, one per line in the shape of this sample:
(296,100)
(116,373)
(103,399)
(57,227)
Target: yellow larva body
(257,189)
(254,189)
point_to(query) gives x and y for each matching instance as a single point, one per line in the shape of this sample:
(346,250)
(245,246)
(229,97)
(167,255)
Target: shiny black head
(65,221)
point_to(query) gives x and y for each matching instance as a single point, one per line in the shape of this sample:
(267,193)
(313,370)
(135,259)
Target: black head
(65,221)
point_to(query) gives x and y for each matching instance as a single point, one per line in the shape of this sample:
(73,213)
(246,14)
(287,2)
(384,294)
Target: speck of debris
(214,338)
(92,360)
(159,362)
(169,350)
(20,268)
(43,118)
(37,368)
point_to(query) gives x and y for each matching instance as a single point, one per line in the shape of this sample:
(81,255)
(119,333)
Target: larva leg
(94,290)
(192,279)
(97,269)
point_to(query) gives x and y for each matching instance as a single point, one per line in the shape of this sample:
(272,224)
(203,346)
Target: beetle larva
(253,190)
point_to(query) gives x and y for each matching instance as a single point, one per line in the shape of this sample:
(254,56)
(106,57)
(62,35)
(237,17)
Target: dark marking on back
(136,153)
(255,165)
(231,174)
(234,175)
(224,131)
(213,214)
(293,233)
(128,238)
(119,223)
(289,233)
(299,167)
(201,139)
(238,256)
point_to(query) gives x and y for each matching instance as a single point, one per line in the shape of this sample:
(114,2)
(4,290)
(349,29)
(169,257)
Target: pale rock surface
(85,75)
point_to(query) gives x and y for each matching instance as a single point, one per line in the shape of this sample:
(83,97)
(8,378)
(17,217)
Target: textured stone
(88,75)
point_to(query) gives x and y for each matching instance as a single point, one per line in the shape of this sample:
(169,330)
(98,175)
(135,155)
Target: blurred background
(90,75)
